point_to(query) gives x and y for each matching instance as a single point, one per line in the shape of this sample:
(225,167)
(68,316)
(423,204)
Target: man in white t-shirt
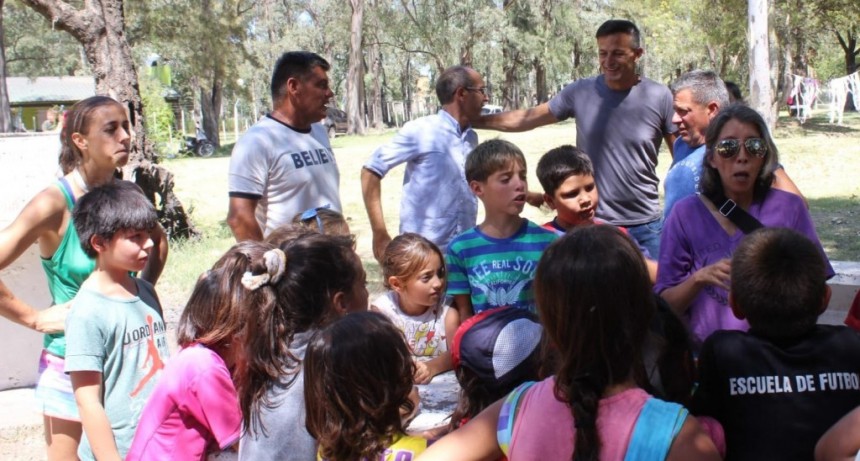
(284,165)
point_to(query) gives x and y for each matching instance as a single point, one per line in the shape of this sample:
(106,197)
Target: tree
(99,27)
(355,79)
(204,41)
(5,109)
(761,97)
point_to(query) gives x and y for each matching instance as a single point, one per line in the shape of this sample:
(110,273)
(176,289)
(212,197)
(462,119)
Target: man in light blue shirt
(698,97)
(436,200)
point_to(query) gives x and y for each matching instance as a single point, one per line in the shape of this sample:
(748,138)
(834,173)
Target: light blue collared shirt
(436,201)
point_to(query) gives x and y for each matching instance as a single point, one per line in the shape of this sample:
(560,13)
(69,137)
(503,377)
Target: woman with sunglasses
(702,231)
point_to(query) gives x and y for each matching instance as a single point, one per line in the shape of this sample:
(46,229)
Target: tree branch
(79,23)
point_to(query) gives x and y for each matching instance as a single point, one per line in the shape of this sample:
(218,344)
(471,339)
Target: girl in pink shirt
(193,410)
(594,299)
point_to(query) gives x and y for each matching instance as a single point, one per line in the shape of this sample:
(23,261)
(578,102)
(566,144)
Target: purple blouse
(692,239)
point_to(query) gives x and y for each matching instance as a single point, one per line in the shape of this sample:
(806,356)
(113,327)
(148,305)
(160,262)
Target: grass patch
(821,158)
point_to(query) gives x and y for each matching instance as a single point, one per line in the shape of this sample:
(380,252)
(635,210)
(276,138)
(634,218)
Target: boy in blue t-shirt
(115,335)
(567,177)
(494,264)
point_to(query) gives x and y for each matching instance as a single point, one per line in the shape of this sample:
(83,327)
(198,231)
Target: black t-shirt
(775,400)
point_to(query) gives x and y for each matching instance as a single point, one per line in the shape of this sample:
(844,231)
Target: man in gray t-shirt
(284,164)
(621,120)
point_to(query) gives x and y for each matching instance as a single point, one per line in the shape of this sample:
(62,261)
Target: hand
(52,319)
(717,274)
(534,199)
(380,242)
(423,374)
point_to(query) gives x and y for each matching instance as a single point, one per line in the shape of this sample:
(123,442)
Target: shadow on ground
(837,221)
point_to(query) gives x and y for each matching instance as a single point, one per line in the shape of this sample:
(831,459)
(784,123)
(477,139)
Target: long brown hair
(358,376)
(77,120)
(317,267)
(216,310)
(595,302)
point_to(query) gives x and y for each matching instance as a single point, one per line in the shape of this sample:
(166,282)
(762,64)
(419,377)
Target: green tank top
(66,271)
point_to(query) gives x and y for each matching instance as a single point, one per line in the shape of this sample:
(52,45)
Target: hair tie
(275,261)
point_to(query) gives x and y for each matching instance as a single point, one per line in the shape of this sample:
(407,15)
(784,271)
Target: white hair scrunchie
(276,263)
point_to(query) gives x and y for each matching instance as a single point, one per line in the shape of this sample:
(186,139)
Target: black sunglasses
(728,148)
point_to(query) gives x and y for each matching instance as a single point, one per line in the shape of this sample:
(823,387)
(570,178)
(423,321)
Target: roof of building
(48,90)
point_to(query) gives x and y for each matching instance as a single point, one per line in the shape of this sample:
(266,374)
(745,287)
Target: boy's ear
(826,300)
(98,243)
(549,200)
(736,309)
(477,187)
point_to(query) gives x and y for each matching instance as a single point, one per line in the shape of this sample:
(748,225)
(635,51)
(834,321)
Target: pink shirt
(544,426)
(193,410)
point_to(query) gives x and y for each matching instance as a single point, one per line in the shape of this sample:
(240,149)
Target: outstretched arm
(371,191)
(474,441)
(518,120)
(842,441)
(782,181)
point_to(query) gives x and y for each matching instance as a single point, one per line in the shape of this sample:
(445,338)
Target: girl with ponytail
(322,279)
(594,299)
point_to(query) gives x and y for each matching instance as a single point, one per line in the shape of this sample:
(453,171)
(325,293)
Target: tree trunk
(761,97)
(355,78)
(100,28)
(375,102)
(405,88)
(540,81)
(849,47)
(509,66)
(5,109)
(210,108)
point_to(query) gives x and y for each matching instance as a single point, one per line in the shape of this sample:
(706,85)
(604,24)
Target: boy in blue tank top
(493,264)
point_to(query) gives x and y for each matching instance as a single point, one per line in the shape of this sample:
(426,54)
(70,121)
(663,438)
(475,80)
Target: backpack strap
(737,215)
(655,430)
(507,415)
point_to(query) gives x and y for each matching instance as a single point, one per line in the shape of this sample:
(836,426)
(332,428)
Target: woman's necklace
(79,180)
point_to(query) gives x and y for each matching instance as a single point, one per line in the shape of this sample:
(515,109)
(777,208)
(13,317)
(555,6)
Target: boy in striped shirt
(493,264)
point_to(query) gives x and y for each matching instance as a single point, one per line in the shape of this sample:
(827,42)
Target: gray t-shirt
(288,171)
(125,341)
(621,132)
(285,437)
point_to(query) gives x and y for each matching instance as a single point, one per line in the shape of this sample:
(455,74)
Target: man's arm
(670,143)
(518,120)
(88,390)
(783,182)
(371,191)
(242,220)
